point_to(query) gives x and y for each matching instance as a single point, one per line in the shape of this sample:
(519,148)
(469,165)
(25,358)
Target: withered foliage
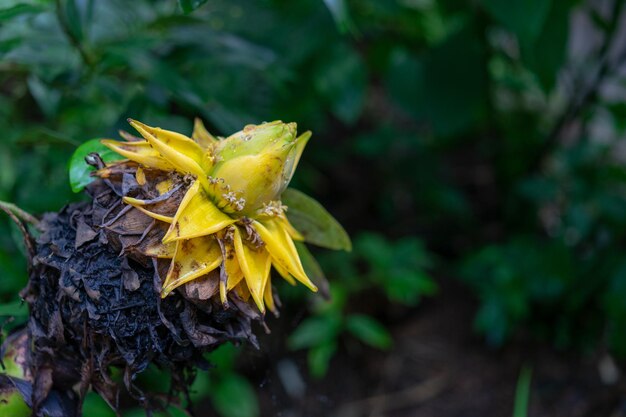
(94,298)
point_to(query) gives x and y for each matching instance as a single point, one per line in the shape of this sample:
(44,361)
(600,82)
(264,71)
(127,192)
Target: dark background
(473,150)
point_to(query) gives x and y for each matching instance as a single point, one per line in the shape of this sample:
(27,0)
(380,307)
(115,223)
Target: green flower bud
(258,162)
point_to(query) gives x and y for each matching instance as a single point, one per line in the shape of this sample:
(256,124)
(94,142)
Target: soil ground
(438,367)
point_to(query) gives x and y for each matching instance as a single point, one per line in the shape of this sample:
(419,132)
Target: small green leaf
(189,6)
(369,331)
(80,172)
(312,268)
(314,222)
(522,393)
(314,331)
(233,396)
(319,358)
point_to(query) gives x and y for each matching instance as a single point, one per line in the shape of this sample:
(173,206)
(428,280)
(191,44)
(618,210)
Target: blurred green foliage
(375,268)
(488,129)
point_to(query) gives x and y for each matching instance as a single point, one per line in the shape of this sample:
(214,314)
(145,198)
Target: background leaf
(233,396)
(79,171)
(312,220)
(314,331)
(525,18)
(522,393)
(369,331)
(312,268)
(189,6)
(319,358)
(341,15)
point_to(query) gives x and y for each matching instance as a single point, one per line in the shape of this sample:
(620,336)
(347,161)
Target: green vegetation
(474,140)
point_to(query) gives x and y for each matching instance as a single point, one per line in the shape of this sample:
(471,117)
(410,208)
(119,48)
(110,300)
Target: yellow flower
(231,219)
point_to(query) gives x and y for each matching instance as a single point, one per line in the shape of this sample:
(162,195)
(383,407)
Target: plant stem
(21,214)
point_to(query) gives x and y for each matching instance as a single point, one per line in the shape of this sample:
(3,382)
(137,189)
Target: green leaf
(522,393)
(224,357)
(319,358)
(17,309)
(339,10)
(314,222)
(341,79)
(80,172)
(201,387)
(312,268)
(407,286)
(314,331)
(525,18)
(47,98)
(546,55)
(233,396)
(95,406)
(74,21)
(452,98)
(189,6)
(369,331)
(18,9)
(12,404)
(171,411)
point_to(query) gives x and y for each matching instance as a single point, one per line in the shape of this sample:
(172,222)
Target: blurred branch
(71,36)
(589,94)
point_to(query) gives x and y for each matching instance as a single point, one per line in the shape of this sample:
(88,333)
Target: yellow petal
(164,186)
(140,176)
(192,259)
(232,268)
(283,251)
(283,272)
(207,142)
(268,296)
(201,135)
(255,264)
(295,235)
(196,216)
(243,291)
(160,250)
(139,205)
(223,292)
(140,152)
(180,151)
(294,157)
